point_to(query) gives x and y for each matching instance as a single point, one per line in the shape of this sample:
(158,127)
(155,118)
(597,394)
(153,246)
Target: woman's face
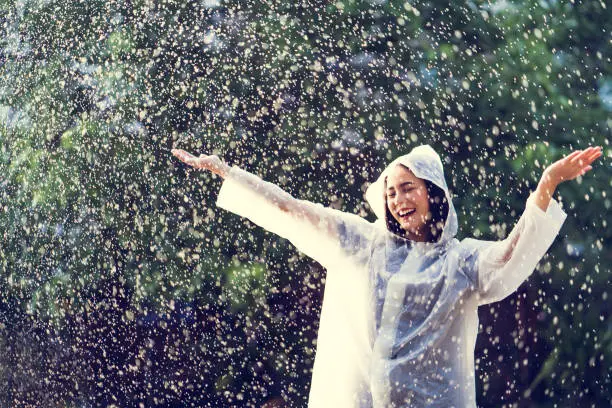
(408,202)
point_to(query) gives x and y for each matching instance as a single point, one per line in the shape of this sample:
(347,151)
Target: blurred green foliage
(122,283)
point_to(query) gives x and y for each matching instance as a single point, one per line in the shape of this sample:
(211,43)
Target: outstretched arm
(284,202)
(320,232)
(504,265)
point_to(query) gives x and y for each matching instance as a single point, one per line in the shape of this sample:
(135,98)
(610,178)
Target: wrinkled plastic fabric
(399,318)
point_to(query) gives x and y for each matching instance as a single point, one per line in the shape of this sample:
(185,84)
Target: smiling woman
(407,201)
(416,208)
(399,318)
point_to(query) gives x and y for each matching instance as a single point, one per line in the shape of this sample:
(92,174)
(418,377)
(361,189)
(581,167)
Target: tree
(113,250)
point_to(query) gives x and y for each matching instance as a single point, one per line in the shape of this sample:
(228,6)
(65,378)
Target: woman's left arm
(503,265)
(568,168)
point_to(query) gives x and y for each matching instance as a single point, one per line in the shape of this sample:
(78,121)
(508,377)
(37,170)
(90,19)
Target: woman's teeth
(405,213)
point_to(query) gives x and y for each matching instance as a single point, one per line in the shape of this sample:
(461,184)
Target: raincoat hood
(425,163)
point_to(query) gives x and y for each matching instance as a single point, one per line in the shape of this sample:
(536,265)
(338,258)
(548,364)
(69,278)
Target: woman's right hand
(212,163)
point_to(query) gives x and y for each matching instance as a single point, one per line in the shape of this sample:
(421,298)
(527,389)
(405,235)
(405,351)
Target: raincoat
(399,318)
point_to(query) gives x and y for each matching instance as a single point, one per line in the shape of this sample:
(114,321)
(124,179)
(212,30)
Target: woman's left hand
(568,168)
(571,166)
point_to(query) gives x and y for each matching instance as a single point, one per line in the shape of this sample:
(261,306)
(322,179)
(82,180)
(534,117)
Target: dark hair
(438,207)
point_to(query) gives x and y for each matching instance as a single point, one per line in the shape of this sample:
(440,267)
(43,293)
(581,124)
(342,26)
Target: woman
(399,317)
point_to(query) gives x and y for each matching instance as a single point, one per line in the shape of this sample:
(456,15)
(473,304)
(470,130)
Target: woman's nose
(399,199)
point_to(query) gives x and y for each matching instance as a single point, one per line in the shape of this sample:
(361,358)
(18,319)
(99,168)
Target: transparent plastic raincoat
(399,318)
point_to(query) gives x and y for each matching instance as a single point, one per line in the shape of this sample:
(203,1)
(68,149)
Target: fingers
(587,168)
(181,154)
(585,157)
(581,160)
(185,157)
(595,155)
(571,156)
(577,158)
(590,155)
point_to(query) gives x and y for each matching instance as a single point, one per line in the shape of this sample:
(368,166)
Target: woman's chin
(409,227)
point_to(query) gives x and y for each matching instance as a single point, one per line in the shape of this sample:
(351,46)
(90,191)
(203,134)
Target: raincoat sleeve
(501,266)
(328,236)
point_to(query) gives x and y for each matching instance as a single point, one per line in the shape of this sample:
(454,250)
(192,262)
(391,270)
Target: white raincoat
(399,318)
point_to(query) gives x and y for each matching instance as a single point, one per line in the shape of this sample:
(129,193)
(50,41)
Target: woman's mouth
(406,214)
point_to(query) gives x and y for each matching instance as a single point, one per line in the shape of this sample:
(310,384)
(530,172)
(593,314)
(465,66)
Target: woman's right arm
(284,201)
(322,233)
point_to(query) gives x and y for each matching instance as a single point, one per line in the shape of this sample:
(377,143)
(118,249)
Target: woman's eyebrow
(403,184)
